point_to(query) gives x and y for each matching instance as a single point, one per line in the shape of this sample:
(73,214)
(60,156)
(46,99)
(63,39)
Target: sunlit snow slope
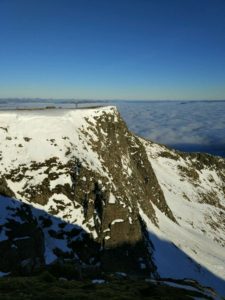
(193,186)
(84,167)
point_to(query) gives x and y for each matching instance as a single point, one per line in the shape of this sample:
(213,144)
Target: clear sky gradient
(109,49)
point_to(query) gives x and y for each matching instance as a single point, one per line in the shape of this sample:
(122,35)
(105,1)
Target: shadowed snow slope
(163,209)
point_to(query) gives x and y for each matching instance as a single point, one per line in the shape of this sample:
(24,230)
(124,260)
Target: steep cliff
(90,191)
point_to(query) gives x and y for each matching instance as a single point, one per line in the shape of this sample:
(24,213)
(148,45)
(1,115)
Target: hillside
(77,186)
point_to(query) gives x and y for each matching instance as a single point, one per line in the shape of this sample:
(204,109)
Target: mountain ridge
(86,168)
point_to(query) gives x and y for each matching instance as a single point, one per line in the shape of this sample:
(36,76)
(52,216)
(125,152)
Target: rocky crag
(77,186)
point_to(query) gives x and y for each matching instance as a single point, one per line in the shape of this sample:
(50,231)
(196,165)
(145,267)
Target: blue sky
(102,49)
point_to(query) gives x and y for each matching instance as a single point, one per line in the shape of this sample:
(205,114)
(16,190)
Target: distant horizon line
(100,100)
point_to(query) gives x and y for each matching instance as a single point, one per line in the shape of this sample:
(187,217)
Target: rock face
(24,246)
(80,186)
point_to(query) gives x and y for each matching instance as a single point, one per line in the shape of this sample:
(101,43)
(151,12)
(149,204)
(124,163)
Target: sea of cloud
(185,125)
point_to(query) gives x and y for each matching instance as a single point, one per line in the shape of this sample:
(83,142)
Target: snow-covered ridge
(84,167)
(35,141)
(53,129)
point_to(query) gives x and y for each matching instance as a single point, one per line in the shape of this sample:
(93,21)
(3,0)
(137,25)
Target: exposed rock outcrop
(97,192)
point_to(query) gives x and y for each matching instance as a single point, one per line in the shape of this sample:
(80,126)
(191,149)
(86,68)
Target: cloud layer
(188,126)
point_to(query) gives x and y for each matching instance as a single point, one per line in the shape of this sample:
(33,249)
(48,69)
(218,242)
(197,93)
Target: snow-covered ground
(29,138)
(194,236)
(26,130)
